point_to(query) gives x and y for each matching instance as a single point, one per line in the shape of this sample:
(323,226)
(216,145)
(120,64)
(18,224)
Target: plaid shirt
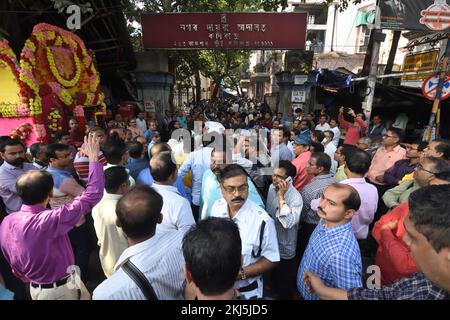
(311,191)
(333,254)
(414,287)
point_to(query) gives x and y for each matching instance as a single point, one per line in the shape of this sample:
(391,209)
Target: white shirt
(198,161)
(161,260)
(337,135)
(111,240)
(142,124)
(323,127)
(249,219)
(330,149)
(286,219)
(176,210)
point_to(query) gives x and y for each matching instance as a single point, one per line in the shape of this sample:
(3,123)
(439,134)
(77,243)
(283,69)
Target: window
(363,38)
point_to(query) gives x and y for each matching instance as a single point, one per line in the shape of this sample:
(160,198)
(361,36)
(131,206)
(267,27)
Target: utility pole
(377,38)
(428,133)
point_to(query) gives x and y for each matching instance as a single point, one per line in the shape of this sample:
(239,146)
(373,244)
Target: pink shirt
(302,177)
(35,240)
(383,160)
(354,130)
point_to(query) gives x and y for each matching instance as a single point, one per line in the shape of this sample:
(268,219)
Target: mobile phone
(288,180)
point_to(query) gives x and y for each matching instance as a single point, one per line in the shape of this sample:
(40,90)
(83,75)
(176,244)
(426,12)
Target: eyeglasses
(232,189)
(420,167)
(388,136)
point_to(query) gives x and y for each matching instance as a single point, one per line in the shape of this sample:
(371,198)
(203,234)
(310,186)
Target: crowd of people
(226,200)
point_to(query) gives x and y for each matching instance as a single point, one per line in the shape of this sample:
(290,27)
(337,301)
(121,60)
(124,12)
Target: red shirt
(393,256)
(302,177)
(355,130)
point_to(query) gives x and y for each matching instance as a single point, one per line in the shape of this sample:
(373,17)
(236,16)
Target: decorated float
(55,79)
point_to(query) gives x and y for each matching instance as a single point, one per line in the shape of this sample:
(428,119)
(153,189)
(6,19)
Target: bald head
(139,211)
(34,186)
(159,147)
(163,168)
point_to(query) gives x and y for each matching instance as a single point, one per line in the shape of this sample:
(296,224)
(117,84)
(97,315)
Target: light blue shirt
(197,162)
(210,193)
(145,177)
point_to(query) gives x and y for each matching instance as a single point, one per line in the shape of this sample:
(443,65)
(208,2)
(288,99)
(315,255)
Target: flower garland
(55,71)
(22,132)
(8,60)
(54,123)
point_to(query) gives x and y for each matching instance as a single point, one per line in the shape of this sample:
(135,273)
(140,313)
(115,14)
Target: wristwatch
(242,274)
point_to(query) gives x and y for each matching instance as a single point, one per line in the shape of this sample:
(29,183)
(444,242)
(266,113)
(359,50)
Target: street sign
(235,30)
(298,96)
(419,62)
(149,106)
(300,79)
(430,85)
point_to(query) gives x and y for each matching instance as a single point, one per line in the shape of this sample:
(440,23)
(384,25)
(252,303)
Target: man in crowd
(141,122)
(355,125)
(334,126)
(136,162)
(211,273)
(279,147)
(13,153)
(438,149)
(157,255)
(81,161)
(210,192)
(38,151)
(376,130)
(34,239)
(427,234)
(319,168)
(302,151)
(323,124)
(145,177)
(333,251)
(284,205)
(111,240)
(259,243)
(394,175)
(176,210)
(424,173)
(357,164)
(116,154)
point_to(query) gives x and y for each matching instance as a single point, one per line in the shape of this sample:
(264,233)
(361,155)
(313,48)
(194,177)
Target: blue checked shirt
(413,287)
(333,254)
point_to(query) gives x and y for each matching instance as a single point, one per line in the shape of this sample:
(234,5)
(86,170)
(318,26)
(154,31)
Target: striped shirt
(333,254)
(161,260)
(81,164)
(311,191)
(286,219)
(414,287)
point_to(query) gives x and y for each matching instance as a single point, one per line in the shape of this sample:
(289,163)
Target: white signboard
(149,106)
(298,96)
(300,79)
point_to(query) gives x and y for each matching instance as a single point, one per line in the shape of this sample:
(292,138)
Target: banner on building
(224,30)
(420,62)
(427,15)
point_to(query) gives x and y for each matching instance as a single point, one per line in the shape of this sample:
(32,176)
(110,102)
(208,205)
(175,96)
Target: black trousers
(305,231)
(11,282)
(195,212)
(80,239)
(283,279)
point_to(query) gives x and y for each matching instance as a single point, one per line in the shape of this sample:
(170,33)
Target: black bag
(139,278)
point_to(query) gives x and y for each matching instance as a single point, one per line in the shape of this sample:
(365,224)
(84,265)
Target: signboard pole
(373,71)
(437,100)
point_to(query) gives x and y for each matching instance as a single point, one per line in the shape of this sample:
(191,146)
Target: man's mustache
(319,208)
(238,199)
